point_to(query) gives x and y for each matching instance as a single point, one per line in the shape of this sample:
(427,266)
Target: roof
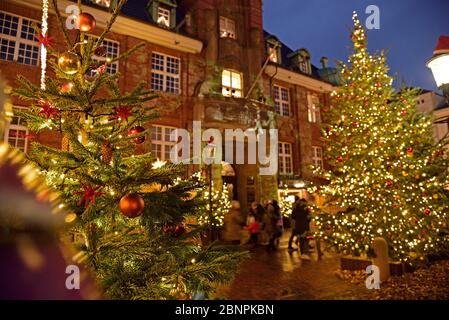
(329,75)
(286,52)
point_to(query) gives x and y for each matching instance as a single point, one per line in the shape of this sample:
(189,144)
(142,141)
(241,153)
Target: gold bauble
(69,62)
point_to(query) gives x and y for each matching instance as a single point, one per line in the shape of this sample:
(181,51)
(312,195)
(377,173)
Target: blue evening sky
(409,30)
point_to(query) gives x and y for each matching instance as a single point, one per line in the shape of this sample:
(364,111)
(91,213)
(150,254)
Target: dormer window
(273,54)
(163,12)
(163,16)
(274,49)
(227,28)
(303,64)
(301,59)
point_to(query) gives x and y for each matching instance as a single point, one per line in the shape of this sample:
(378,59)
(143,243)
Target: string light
(44,32)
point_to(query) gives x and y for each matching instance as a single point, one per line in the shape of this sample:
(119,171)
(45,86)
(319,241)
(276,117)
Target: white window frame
(227,91)
(18,127)
(317,157)
(164,141)
(104,59)
(285,157)
(280,102)
(227,28)
(313,109)
(166,74)
(18,40)
(163,16)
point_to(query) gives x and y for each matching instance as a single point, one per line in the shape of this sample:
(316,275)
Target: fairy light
(379,168)
(43,48)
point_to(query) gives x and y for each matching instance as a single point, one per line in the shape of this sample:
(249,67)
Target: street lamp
(439,64)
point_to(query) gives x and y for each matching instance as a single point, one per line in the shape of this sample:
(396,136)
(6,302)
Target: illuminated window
(317,157)
(103,3)
(163,16)
(16,133)
(227,28)
(285,158)
(313,109)
(273,54)
(112,52)
(231,83)
(282,101)
(165,73)
(17,40)
(161,144)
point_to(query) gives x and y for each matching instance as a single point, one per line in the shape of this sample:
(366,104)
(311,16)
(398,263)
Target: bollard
(381,260)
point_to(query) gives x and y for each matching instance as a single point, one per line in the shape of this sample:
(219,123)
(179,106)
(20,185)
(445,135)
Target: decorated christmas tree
(127,212)
(388,175)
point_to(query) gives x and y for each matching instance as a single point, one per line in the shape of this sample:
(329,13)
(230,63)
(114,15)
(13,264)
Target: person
(301,217)
(269,221)
(253,227)
(232,224)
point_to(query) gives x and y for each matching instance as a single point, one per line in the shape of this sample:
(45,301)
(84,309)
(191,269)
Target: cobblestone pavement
(281,275)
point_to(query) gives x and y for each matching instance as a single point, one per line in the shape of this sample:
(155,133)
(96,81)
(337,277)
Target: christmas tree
(388,175)
(127,212)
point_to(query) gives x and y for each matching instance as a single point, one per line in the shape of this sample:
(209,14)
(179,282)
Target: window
(282,101)
(314,109)
(285,158)
(103,3)
(273,54)
(16,132)
(112,52)
(17,40)
(227,28)
(161,144)
(165,73)
(231,84)
(317,157)
(163,16)
(303,64)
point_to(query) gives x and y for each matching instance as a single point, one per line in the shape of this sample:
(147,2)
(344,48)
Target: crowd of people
(264,225)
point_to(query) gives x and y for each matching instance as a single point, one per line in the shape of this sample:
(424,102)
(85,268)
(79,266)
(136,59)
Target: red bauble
(86,22)
(404,112)
(135,131)
(340,158)
(410,152)
(179,230)
(174,230)
(378,84)
(389,182)
(427,212)
(131,205)
(66,87)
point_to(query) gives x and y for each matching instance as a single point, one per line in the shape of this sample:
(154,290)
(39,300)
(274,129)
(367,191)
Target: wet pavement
(280,275)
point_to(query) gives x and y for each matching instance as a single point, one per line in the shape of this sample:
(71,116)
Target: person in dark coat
(301,217)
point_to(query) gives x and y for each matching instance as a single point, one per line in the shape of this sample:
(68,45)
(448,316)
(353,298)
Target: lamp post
(210,156)
(439,64)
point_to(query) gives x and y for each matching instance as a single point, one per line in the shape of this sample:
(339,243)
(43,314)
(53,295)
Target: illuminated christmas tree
(127,212)
(387,175)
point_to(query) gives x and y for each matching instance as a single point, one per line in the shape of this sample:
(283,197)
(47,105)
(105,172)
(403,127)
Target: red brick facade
(245,54)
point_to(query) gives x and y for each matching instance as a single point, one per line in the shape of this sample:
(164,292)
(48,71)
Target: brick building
(216,57)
